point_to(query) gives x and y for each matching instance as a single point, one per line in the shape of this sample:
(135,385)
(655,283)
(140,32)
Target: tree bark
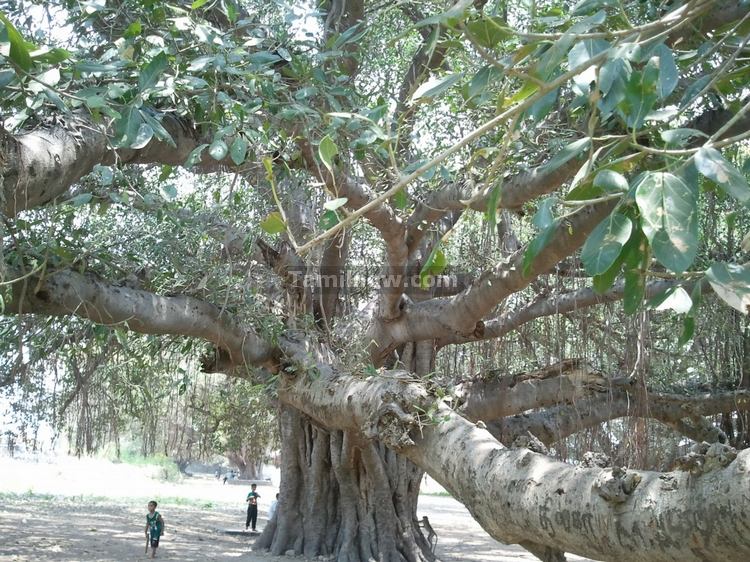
(606,514)
(344,496)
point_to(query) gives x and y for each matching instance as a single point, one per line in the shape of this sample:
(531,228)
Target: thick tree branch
(65,293)
(39,166)
(562,383)
(570,301)
(515,494)
(557,423)
(460,315)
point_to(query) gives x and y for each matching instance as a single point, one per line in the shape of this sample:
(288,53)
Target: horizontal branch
(39,166)
(554,424)
(561,383)
(68,293)
(565,303)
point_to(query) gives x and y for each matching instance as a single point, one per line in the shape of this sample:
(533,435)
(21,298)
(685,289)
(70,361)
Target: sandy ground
(88,509)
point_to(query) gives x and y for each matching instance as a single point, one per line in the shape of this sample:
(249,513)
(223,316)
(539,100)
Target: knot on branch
(531,442)
(617,485)
(705,457)
(391,424)
(595,460)
(217,360)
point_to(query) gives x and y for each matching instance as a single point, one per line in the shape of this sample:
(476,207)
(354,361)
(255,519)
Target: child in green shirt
(154,528)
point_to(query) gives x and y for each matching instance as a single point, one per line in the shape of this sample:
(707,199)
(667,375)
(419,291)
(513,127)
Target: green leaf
(80,199)
(611,182)
(676,299)
(95,101)
(539,242)
(587,6)
(481,81)
(400,199)
(238,150)
(715,167)
(218,150)
(688,326)
(197,4)
(195,156)
(6,77)
(731,282)
(143,136)
(669,208)
(450,17)
(613,79)
(640,95)
(168,191)
(329,219)
(159,130)
(335,203)
(95,67)
(134,29)
(492,202)
(567,153)
(350,35)
(273,223)
(435,87)
(151,73)
(529,88)
(50,56)
(327,149)
(19,52)
(435,265)
(488,31)
(263,58)
(688,329)
(603,282)
(552,57)
(605,243)
(268,165)
(127,127)
(49,78)
(582,52)
(679,137)
(669,74)
(166,171)
(636,262)
(543,216)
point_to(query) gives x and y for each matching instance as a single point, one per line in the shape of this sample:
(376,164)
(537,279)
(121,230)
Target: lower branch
(65,293)
(554,424)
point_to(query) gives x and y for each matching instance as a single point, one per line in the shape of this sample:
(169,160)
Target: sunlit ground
(92,509)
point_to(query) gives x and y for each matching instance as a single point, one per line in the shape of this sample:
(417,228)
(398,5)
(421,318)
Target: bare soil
(70,509)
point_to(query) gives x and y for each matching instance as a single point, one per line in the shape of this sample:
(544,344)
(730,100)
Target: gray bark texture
(603,513)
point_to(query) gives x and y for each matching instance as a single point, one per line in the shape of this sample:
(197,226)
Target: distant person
(154,528)
(252,507)
(272,509)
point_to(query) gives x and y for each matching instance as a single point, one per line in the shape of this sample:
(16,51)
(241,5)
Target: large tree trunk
(344,496)
(249,463)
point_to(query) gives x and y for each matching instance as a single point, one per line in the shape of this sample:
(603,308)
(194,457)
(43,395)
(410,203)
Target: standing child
(252,507)
(154,528)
